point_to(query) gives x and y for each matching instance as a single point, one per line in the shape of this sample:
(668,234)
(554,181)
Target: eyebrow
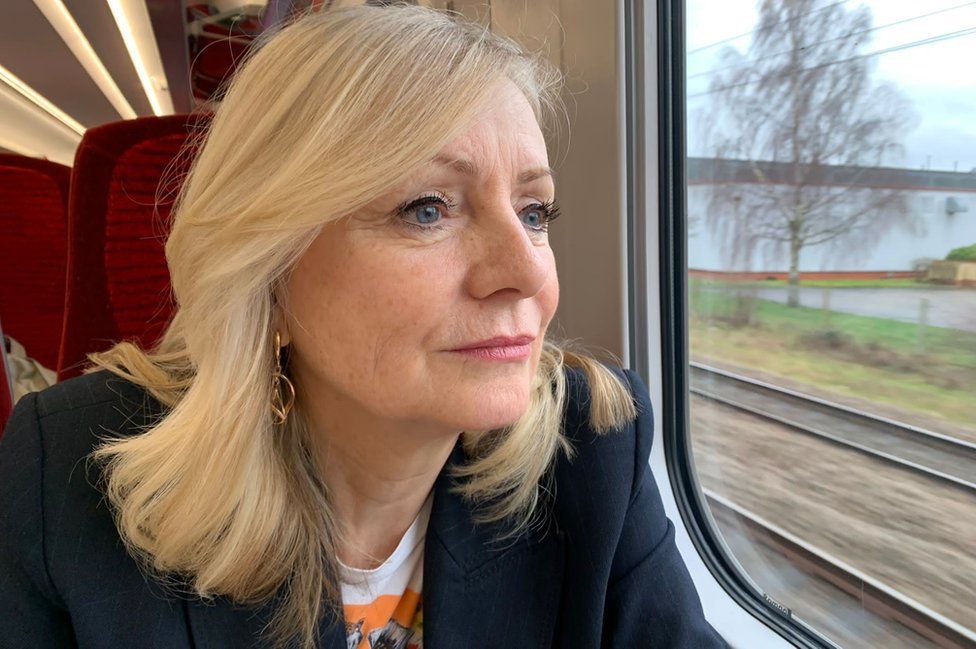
(468,168)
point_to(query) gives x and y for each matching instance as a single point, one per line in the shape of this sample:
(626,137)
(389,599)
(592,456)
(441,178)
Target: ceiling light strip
(66,27)
(132,19)
(39,100)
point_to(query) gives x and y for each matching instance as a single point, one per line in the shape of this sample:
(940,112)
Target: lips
(499,341)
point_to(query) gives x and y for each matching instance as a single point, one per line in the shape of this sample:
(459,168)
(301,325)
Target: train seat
(33,252)
(118,284)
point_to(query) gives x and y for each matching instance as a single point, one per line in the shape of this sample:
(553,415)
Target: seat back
(33,253)
(118,213)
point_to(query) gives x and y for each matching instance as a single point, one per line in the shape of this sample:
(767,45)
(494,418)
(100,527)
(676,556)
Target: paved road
(955,308)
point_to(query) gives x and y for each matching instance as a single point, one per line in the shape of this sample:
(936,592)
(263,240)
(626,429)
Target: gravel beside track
(907,530)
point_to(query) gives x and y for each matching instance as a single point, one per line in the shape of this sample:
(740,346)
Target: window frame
(660,24)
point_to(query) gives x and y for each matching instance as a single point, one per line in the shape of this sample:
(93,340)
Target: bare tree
(800,109)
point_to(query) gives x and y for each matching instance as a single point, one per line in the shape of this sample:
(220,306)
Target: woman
(354,432)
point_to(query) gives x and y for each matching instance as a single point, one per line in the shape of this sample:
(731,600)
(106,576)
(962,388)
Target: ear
(281,328)
(279,322)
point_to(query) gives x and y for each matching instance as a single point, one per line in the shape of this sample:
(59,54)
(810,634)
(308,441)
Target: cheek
(370,309)
(399,295)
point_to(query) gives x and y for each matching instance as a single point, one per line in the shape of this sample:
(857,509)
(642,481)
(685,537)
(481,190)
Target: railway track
(870,593)
(939,456)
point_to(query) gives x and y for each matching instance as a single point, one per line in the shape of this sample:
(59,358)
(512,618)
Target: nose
(503,255)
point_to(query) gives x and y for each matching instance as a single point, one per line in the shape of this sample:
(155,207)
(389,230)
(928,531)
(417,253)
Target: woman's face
(454,256)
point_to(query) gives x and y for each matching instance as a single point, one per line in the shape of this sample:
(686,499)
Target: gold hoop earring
(280,405)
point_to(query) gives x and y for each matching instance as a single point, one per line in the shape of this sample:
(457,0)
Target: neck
(378,473)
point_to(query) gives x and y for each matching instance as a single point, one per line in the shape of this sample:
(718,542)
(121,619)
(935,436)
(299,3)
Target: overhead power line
(904,46)
(837,38)
(753,31)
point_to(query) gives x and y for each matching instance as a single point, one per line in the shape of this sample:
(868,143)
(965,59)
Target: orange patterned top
(383,606)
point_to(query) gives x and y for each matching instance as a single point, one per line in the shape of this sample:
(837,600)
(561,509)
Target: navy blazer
(604,573)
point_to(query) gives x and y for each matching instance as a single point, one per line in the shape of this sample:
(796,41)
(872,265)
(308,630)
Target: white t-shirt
(382,606)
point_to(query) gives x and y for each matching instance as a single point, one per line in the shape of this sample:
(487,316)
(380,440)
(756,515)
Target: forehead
(504,131)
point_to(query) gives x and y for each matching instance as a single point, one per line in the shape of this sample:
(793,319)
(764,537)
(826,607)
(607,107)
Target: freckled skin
(375,303)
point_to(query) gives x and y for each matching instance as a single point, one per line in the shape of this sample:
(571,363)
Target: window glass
(831,176)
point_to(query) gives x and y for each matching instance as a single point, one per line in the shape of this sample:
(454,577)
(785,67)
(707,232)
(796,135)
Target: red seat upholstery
(118,283)
(33,240)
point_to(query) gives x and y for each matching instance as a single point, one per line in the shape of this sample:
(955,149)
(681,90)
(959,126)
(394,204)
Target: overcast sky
(938,78)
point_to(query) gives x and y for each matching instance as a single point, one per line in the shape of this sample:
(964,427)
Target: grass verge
(930,370)
(899,282)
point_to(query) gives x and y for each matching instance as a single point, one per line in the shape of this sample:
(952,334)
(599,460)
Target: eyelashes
(551,210)
(409,208)
(420,208)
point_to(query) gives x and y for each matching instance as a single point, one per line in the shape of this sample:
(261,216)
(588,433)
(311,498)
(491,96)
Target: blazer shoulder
(579,400)
(621,451)
(53,510)
(67,420)
(95,389)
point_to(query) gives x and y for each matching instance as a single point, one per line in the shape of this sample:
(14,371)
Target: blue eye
(539,215)
(535,217)
(427,214)
(424,212)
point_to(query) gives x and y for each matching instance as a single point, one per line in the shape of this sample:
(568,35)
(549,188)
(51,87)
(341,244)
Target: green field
(931,370)
(907,282)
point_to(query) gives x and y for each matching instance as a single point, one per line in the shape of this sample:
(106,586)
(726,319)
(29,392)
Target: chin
(491,408)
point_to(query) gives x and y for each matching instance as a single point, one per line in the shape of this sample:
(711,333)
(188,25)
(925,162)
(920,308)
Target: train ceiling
(69,65)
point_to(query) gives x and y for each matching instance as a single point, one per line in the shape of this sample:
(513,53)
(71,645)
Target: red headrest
(118,214)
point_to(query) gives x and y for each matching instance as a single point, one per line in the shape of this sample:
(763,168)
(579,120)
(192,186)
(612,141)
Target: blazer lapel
(480,594)
(222,624)
(477,593)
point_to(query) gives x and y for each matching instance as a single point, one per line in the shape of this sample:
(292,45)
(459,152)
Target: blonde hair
(213,491)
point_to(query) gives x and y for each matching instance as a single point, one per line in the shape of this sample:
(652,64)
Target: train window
(827,258)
